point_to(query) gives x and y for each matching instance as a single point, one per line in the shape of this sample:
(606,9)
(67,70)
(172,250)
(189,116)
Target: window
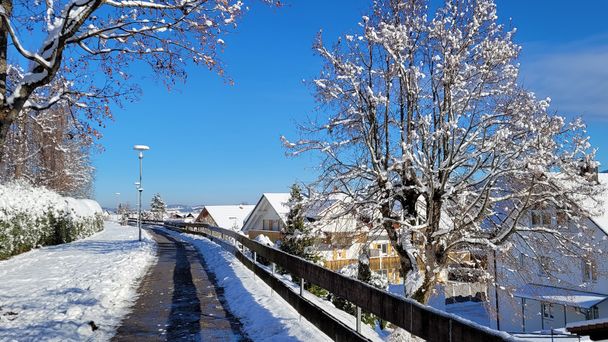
(522,259)
(589,271)
(540,218)
(591,313)
(562,220)
(594,313)
(384,248)
(271,225)
(543,265)
(547,310)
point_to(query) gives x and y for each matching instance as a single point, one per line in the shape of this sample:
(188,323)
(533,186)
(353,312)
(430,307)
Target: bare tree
(428,135)
(47,149)
(80,40)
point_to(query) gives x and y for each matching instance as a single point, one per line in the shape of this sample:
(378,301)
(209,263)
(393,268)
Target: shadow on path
(178,300)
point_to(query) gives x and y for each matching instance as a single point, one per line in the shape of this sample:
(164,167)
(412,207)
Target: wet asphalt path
(178,300)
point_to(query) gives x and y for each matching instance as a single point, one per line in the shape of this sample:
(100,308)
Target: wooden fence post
(358,319)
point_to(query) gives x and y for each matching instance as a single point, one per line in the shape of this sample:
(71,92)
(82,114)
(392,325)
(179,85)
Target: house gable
(269,214)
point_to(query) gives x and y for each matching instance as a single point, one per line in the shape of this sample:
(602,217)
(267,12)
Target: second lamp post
(140,189)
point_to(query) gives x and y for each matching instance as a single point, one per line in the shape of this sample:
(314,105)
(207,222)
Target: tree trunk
(5,112)
(423,294)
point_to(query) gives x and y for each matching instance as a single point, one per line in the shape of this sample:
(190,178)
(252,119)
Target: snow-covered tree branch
(75,39)
(431,138)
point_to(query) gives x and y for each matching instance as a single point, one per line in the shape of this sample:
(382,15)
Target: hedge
(32,217)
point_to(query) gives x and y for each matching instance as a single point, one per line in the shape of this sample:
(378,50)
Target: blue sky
(215,143)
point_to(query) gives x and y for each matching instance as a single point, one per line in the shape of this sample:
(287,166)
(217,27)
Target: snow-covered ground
(53,293)
(473,311)
(265,316)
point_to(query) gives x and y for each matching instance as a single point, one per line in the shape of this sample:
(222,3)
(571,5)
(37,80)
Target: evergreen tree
(158,207)
(299,239)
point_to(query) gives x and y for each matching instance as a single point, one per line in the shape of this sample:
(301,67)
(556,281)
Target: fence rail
(419,320)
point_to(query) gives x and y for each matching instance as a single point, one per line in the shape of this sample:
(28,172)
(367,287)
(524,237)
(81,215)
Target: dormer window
(562,220)
(589,271)
(540,217)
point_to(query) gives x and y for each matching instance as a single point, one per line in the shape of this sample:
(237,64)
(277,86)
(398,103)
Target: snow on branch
(435,143)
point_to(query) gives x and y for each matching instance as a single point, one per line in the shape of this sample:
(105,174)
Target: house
(268,217)
(576,289)
(225,216)
(342,237)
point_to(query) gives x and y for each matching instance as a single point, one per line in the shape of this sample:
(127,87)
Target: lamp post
(137,186)
(117,201)
(141,149)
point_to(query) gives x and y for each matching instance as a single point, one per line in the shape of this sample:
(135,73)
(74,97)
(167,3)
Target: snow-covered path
(264,316)
(73,292)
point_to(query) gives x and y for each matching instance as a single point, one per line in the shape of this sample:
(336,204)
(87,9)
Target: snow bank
(31,217)
(264,240)
(64,292)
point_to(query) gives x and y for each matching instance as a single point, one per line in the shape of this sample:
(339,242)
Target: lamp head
(141,147)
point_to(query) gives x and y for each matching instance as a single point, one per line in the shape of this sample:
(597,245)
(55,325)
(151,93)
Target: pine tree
(158,207)
(299,239)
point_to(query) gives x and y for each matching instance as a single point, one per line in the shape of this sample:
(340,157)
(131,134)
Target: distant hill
(184,208)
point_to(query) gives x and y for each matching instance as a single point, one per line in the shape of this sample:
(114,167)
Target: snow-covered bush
(31,217)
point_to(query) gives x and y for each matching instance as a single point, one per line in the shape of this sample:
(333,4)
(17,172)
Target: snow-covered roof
(316,208)
(587,323)
(558,295)
(602,220)
(229,216)
(279,202)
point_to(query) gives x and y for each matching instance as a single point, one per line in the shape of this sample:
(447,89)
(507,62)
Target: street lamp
(117,201)
(117,217)
(141,149)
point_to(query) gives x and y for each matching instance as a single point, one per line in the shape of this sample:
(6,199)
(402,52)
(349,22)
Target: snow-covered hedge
(32,217)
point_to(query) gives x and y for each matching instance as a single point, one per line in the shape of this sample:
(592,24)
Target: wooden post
(301,287)
(255,259)
(273,269)
(358,319)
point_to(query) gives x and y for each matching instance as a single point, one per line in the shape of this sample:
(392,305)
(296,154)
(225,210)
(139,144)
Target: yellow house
(342,237)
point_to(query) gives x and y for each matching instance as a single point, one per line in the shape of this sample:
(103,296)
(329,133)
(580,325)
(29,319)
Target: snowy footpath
(73,292)
(264,315)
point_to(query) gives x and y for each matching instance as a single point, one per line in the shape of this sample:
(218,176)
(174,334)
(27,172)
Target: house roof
(596,329)
(229,216)
(590,322)
(559,295)
(279,202)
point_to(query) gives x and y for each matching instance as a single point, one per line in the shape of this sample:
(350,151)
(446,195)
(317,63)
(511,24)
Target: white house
(225,216)
(532,297)
(342,237)
(268,216)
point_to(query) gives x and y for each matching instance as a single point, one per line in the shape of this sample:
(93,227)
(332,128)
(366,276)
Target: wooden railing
(422,321)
